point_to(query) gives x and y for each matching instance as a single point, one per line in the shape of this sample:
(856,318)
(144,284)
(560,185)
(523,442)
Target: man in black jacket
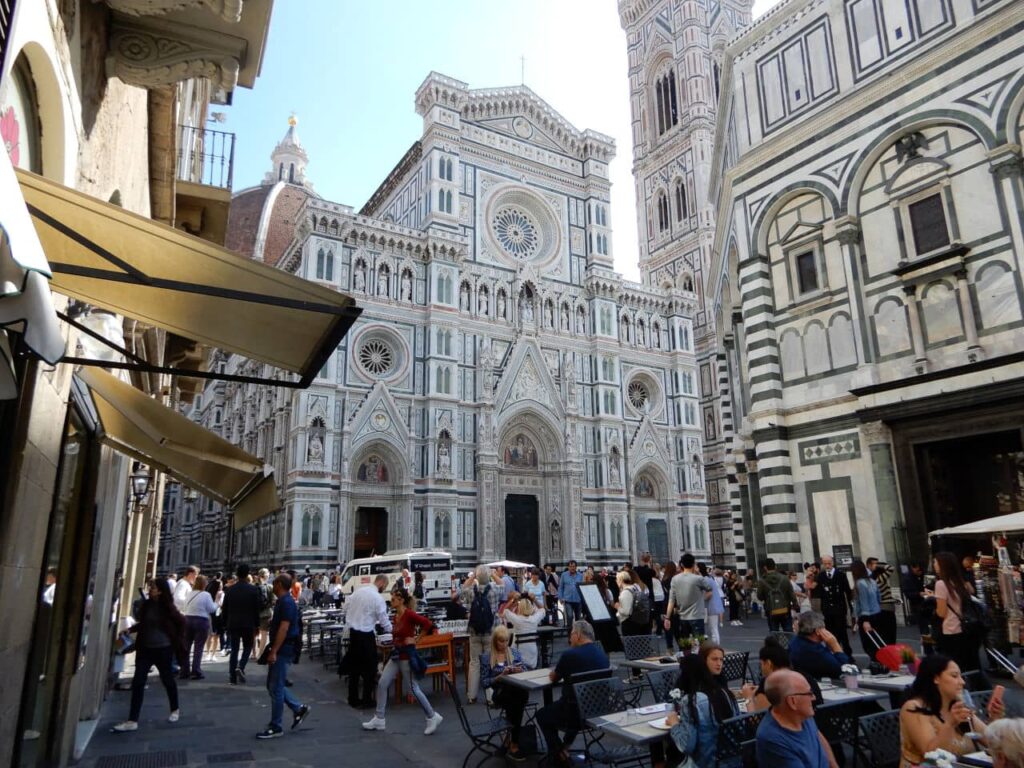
(832,588)
(241,615)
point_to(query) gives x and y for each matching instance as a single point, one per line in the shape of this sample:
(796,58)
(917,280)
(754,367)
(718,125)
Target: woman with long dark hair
(951,595)
(867,606)
(938,713)
(707,702)
(161,631)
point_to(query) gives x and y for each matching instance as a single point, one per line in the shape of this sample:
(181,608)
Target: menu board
(843,555)
(594,603)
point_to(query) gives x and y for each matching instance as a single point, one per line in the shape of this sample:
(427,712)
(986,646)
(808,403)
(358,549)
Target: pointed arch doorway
(371,532)
(522,521)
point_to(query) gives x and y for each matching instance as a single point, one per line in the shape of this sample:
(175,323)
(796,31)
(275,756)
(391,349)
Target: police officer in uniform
(832,589)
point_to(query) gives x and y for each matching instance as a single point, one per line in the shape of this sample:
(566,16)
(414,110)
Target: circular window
(516,231)
(376,357)
(639,395)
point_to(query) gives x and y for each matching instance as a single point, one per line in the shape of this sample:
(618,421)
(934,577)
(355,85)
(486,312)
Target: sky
(349,71)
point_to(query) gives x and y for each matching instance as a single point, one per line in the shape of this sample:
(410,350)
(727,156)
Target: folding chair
(641,646)
(734,666)
(487,736)
(661,681)
(733,734)
(595,699)
(877,743)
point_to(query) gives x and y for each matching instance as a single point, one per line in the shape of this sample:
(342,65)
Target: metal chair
(733,734)
(877,744)
(487,736)
(641,646)
(734,666)
(782,638)
(596,699)
(661,681)
(838,722)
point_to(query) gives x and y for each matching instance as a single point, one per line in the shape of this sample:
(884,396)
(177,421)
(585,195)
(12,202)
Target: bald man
(788,737)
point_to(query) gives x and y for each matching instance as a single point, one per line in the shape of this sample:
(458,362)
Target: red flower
(9,130)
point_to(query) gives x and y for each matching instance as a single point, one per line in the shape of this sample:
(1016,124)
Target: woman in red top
(404,632)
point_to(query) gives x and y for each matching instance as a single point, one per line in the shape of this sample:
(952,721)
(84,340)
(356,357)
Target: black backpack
(641,613)
(481,617)
(975,619)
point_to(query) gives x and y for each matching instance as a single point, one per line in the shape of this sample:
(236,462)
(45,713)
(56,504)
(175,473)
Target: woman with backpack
(484,593)
(952,600)
(634,607)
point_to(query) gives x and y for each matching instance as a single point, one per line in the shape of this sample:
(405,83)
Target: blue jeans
(573,612)
(280,694)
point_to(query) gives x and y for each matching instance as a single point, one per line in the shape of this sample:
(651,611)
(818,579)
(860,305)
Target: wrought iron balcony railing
(206,156)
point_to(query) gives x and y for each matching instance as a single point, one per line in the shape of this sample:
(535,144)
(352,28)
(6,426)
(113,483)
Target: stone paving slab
(219,721)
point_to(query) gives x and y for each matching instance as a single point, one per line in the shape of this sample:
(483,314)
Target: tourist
(688,593)
(407,621)
(667,574)
(815,651)
(551,596)
(583,655)
(646,572)
(241,612)
(867,607)
(831,587)
(183,588)
(499,661)
(951,595)
(507,580)
(772,657)
(775,592)
(481,582)
(213,641)
(569,593)
(788,736)
(534,588)
(334,591)
(708,702)
(522,614)
(912,587)
(199,608)
(285,641)
(160,635)
(1005,740)
(366,610)
(937,714)
(266,608)
(734,589)
(630,593)
(715,609)
(882,573)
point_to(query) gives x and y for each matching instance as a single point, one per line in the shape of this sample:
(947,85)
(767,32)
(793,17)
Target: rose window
(639,395)
(376,356)
(516,232)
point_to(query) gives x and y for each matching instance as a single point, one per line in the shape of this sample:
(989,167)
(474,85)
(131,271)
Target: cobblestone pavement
(219,722)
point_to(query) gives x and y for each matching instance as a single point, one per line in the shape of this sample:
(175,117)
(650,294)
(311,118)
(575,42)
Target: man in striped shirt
(882,573)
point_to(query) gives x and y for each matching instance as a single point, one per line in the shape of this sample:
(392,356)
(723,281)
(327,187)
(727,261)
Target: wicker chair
(877,744)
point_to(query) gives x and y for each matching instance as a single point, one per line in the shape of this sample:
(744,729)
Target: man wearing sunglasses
(788,736)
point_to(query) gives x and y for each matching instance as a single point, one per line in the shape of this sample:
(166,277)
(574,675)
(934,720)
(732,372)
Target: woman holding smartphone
(503,660)
(938,713)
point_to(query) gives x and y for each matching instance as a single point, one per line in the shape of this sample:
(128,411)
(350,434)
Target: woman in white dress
(524,617)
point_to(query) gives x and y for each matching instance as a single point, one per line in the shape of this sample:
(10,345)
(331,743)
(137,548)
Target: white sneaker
(127,725)
(432,722)
(173,717)
(375,724)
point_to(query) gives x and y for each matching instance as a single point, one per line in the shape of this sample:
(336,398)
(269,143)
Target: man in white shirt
(183,589)
(365,609)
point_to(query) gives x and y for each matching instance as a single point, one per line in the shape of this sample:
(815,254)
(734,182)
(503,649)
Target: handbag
(975,619)
(417,664)
(262,660)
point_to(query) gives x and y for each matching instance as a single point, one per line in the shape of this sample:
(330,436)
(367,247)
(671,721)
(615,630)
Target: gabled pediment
(526,379)
(379,418)
(522,128)
(647,446)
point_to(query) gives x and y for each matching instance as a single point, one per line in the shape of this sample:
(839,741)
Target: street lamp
(140,482)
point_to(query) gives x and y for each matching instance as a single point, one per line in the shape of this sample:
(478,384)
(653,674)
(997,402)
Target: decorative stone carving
(165,54)
(528,385)
(229,10)
(444,456)
(556,532)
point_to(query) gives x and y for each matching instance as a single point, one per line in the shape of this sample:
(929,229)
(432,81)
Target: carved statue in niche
(464,298)
(481,302)
(581,323)
(556,533)
(406,286)
(444,455)
(549,320)
(487,367)
(382,281)
(315,451)
(641,334)
(501,304)
(615,466)
(359,279)
(698,480)
(526,307)
(565,317)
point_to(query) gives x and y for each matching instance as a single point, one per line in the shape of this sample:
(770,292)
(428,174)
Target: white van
(435,564)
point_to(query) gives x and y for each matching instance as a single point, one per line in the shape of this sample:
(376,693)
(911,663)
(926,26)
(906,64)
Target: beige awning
(130,265)
(139,426)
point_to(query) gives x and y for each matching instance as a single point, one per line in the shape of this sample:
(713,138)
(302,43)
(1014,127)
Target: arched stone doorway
(652,506)
(377,503)
(534,494)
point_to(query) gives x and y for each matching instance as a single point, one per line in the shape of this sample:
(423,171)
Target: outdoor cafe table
(651,663)
(634,725)
(886,682)
(532,680)
(837,694)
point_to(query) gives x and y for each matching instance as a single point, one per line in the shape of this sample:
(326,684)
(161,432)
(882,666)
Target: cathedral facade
(504,394)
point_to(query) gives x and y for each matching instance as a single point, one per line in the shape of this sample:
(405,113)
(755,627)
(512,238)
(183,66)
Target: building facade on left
(112,184)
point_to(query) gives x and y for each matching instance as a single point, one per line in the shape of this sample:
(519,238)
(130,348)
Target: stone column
(916,334)
(876,438)
(848,235)
(963,291)
(1005,162)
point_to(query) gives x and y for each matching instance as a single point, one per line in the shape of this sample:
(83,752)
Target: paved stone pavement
(219,722)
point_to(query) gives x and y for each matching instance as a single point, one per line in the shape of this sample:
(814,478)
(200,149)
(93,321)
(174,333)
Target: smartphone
(997,693)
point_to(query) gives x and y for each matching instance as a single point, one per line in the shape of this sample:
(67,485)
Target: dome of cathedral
(262,219)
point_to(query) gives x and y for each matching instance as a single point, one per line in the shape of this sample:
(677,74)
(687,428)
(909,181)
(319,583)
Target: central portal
(522,540)
(371,534)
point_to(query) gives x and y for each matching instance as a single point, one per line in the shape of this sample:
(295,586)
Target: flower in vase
(675,694)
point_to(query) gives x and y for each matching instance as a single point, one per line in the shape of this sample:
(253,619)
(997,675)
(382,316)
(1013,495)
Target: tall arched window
(280,171)
(320,264)
(329,266)
(448,202)
(663,213)
(667,107)
(681,210)
(291,173)
(314,534)
(443,531)
(307,524)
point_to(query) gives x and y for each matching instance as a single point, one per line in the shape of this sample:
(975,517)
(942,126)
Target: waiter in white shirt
(183,589)
(365,609)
